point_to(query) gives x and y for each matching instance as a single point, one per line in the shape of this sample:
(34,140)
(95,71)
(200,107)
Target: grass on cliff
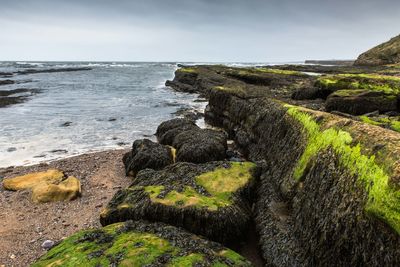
(374,82)
(220,183)
(383,201)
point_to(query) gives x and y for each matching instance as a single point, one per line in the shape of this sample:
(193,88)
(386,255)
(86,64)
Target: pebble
(48,244)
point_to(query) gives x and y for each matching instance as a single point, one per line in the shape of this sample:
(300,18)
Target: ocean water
(107,107)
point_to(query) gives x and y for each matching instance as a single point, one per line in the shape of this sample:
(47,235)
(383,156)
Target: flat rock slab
(139,244)
(210,199)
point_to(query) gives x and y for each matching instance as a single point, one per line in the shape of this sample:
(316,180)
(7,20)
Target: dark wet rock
(139,244)
(122,143)
(33,71)
(6,74)
(16,96)
(200,145)
(66,124)
(189,113)
(59,151)
(5,82)
(310,93)
(210,199)
(167,130)
(147,154)
(18,91)
(358,102)
(11,100)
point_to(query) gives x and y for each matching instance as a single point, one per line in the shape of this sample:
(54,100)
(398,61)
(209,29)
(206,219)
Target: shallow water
(107,107)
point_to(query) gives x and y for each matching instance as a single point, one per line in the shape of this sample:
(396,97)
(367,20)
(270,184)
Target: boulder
(210,199)
(359,101)
(147,154)
(139,244)
(30,180)
(200,146)
(167,130)
(69,189)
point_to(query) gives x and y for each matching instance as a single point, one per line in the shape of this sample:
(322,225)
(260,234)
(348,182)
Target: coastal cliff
(383,54)
(328,192)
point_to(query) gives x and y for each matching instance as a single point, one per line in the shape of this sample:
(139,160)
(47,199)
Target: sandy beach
(24,225)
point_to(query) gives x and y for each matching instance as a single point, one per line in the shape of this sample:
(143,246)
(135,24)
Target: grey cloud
(193,30)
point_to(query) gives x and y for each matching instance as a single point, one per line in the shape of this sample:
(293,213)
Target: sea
(106,107)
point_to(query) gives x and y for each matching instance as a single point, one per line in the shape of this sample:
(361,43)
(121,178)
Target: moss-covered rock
(210,199)
(139,244)
(374,82)
(30,180)
(360,101)
(147,154)
(324,217)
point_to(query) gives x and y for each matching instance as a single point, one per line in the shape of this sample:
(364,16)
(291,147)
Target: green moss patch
(374,82)
(188,70)
(281,72)
(138,244)
(211,199)
(383,201)
(392,123)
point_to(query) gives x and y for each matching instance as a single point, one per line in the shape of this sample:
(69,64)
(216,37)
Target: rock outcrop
(383,54)
(147,154)
(139,244)
(212,199)
(192,144)
(328,192)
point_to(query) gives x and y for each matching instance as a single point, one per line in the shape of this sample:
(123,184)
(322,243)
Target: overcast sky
(194,30)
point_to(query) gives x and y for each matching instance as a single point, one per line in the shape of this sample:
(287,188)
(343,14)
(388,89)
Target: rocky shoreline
(303,161)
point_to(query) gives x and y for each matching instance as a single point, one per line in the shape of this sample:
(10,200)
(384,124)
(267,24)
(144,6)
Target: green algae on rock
(383,200)
(392,123)
(374,82)
(211,199)
(139,244)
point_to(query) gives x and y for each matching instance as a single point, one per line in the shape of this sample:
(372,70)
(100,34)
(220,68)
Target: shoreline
(25,225)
